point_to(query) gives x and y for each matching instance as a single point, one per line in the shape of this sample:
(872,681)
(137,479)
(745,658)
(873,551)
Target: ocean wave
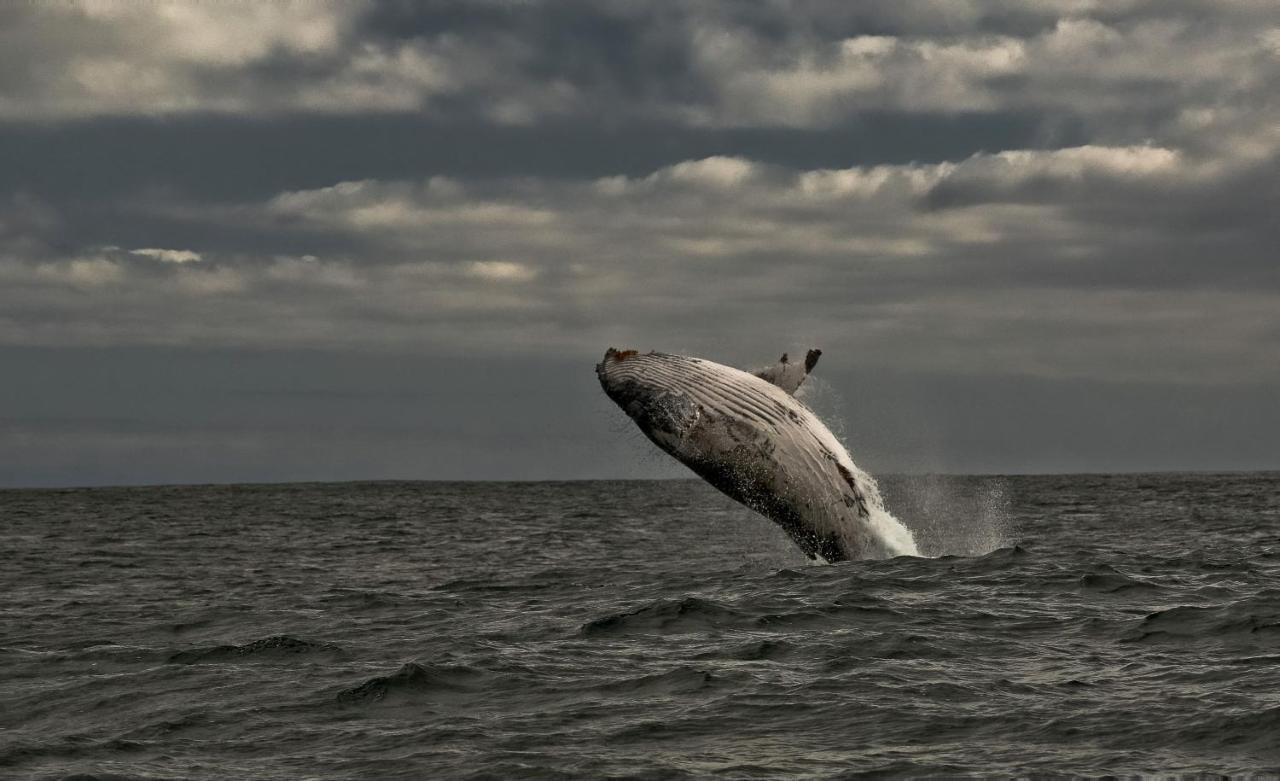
(414,680)
(268,648)
(669,616)
(1105,579)
(1252,621)
(682,680)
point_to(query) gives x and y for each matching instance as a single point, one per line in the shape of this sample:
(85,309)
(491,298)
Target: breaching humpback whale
(748,436)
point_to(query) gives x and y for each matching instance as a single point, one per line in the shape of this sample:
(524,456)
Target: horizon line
(692,478)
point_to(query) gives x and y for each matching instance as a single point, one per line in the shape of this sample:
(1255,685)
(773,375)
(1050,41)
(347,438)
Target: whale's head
(649,387)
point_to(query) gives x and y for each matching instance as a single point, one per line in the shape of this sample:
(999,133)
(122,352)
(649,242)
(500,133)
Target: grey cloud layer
(1072,262)
(1145,251)
(1128,68)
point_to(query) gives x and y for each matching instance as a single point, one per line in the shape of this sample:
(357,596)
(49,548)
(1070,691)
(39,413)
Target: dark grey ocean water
(1081,625)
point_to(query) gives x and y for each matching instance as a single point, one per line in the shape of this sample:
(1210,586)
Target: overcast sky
(341,240)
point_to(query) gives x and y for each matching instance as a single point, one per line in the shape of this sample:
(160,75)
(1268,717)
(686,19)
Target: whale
(747,435)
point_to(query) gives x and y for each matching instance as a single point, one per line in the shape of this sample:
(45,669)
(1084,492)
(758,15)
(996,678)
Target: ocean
(1083,625)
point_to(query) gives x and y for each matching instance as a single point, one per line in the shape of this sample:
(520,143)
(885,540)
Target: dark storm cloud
(627,52)
(704,64)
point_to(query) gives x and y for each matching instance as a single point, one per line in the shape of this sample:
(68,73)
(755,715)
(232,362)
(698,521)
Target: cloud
(821,83)
(1150,88)
(169,255)
(1127,80)
(1125,232)
(501,271)
(1125,69)
(109,58)
(81,273)
(1073,262)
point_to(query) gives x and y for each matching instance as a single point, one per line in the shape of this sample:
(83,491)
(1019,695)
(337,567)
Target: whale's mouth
(640,383)
(612,357)
(622,379)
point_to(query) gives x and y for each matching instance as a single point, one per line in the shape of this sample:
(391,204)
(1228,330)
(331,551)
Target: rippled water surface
(1082,624)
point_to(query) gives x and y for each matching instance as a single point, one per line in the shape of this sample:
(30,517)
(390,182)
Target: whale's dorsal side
(787,375)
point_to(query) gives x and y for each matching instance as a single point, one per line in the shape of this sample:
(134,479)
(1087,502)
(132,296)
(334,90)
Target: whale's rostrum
(748,436)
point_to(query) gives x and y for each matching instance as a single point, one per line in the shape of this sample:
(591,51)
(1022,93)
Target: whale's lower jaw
(777,508)
(751,476)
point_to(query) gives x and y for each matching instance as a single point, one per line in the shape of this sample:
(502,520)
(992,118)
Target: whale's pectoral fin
(787,375)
